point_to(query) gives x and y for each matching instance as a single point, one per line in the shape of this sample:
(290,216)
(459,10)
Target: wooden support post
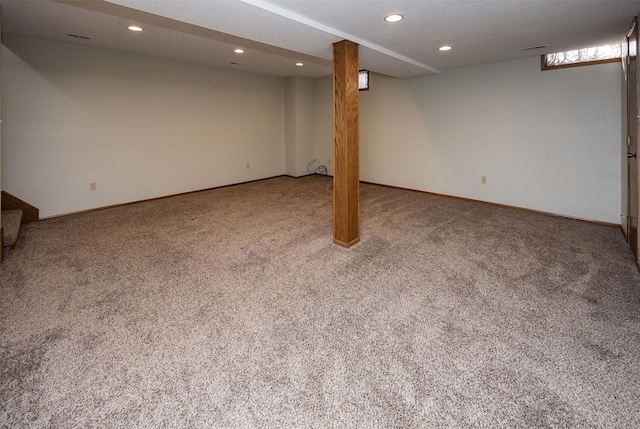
(346,175)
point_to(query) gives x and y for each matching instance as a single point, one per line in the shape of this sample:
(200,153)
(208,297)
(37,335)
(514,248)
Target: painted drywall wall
(624,176)
(290,142)
(299,126)
(323,140)
(547,141)
(0,109)
(140,127)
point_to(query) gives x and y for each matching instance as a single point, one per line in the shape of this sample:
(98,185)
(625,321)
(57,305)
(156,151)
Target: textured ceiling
(278,33)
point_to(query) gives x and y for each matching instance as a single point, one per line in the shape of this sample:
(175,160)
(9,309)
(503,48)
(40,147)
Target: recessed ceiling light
(135,28)
(299,64)
(444,48)
(239,51)
(394,18)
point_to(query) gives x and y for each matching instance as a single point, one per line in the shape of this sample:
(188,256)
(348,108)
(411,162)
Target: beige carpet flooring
(231,308)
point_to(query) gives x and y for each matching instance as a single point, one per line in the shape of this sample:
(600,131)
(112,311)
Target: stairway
(15,212)
(10,220)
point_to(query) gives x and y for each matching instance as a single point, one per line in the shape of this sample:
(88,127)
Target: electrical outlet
(483,180)
(92,186)
(248,166)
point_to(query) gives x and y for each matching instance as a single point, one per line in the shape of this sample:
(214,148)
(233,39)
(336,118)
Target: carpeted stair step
(11,220)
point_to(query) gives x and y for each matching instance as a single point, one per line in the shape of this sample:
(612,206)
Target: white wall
(143,127)
(547,140)
(140,127)
(0,109)
(299,125)
(290,142)
(323,140)
(624,176)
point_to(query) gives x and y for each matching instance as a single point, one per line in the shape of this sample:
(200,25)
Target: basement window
(363,80)
(581,57)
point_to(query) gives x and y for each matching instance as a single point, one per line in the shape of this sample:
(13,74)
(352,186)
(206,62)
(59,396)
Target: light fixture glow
(239,51)
(135,28)
(363,80)
(394,18)
(299,64)
(444,48)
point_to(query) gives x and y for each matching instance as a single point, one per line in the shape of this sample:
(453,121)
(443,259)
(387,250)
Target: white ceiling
(278,33)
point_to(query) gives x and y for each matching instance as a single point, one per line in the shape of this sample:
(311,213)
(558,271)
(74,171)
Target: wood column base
(343,244)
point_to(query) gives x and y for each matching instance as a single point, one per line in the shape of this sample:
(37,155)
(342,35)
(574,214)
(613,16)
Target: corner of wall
(1,47)
(300,123)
